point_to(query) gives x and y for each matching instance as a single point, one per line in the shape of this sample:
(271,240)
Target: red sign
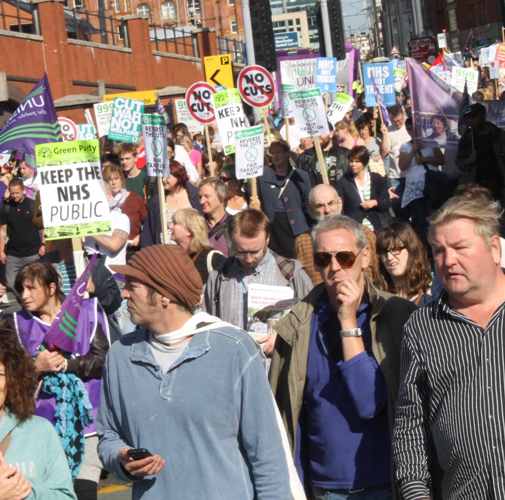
(256,86)
(199,102)
(68,128)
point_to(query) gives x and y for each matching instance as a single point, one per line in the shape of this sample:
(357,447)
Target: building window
(453,23)
(78,4)
(143,10)
(233,25)
(116,5)
(127,6)
(231,2)
(168,11)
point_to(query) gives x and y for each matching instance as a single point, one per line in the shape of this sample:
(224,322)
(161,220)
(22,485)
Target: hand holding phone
(140,462)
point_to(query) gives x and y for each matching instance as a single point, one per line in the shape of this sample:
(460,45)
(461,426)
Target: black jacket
(151,229)
(378,216)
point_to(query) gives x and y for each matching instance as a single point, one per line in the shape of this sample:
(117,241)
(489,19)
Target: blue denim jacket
(211,416)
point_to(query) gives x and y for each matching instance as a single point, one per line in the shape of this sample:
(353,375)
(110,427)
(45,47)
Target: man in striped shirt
(450,404)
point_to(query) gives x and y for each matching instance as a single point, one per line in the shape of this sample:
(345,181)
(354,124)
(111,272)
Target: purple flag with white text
(33,122)
(64,333)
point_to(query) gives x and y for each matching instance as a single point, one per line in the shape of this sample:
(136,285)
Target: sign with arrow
(256,86)
(218,71)
(199,100)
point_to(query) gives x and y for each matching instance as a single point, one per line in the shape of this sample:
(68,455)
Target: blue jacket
(211,416)
(36,451)
(294,200)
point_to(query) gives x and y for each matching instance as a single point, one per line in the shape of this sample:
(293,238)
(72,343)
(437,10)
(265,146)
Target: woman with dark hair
(32,462)
(364,194)
(179,193)
(70,378)
(404,262)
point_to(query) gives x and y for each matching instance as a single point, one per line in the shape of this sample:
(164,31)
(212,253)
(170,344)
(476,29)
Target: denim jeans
(372,494)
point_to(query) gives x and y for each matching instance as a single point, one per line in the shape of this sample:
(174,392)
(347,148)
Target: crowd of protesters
(381,378)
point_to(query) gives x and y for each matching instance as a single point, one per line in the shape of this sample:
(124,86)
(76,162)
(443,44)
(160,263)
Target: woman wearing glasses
(364,193)
(404,263)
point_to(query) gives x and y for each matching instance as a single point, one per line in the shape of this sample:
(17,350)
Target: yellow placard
(218,71)
(149,97)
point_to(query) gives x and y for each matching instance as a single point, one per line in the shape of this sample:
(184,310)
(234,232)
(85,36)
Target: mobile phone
(138,453)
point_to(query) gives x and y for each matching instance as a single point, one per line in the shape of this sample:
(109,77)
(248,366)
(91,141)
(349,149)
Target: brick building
(469,23)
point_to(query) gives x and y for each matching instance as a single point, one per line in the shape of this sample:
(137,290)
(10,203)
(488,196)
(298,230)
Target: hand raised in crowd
(47,361)
(368,204)
(13,485)
(392,194)
(348,295)
(384,129)
(267,343)
(149,466)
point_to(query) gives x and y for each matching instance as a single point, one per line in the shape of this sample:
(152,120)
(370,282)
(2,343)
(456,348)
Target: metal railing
(18,16)
(234,47)
(173,40)
(95,27)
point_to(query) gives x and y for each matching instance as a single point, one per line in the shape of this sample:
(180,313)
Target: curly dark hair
(417,279)
(21,380)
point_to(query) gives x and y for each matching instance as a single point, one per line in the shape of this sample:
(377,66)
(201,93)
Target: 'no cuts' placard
(199,101)
(126,120)
(249,152)
(72,198)
(256,86)
(308,112)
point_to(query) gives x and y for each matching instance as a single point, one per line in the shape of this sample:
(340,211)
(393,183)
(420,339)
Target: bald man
(324,201)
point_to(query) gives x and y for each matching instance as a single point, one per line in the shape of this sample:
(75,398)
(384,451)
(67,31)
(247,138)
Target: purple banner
(33,122)
(435,111)
(64,333)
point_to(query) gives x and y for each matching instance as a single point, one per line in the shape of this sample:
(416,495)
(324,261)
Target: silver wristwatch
(353,332)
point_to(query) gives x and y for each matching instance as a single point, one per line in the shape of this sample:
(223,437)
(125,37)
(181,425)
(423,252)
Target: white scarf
(118,199)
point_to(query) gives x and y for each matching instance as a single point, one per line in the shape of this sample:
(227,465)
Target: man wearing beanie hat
(192,391)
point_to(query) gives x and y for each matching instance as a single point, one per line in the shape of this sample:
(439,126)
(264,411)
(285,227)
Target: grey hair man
(334,370)
(323,202)
(452,372)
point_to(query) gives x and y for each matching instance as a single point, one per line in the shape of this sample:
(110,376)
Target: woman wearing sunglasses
(404,263)
(364,193)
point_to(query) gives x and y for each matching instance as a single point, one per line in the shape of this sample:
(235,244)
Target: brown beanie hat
(167,269)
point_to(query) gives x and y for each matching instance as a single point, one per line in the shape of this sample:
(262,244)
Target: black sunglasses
(345,259)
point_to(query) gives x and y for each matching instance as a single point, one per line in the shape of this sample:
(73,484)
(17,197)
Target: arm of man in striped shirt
(409,434)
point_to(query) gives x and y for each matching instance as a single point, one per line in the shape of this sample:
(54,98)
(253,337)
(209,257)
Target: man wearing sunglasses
(335,371)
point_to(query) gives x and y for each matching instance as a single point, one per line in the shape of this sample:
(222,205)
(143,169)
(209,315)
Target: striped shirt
(453,387)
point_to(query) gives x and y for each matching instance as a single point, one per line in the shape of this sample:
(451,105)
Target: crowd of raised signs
(312,236)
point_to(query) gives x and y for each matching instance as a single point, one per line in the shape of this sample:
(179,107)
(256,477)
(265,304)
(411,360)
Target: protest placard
(326,74)
(85,132)
(256,86)
(126,120)
(308,112)
(155,144)
(148,97)
(72,197)
(379,79)
(184,116)
(266,302)
(460,76)
(230,117)
(103,115)
(341,105)
(249,152)
(199,101)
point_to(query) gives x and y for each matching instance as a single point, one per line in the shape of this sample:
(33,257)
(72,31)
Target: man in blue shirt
(335,371)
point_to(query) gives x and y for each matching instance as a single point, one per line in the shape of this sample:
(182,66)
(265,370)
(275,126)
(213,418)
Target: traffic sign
(199,101)
(218,71)
(68,128)
(256,86)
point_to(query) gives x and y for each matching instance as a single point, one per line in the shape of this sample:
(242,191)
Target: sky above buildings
(356,16)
